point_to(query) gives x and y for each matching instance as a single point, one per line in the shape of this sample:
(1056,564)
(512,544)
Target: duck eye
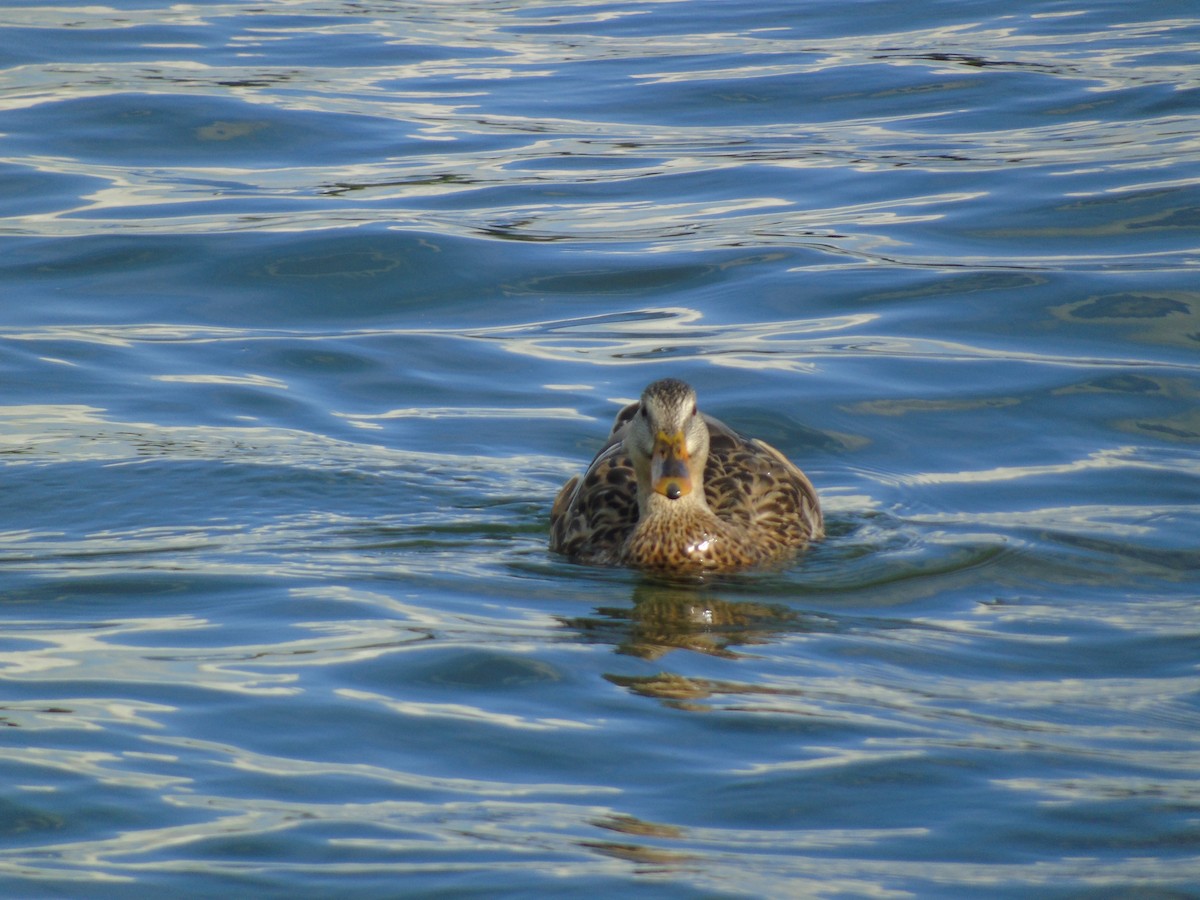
(693,409)
(642,412)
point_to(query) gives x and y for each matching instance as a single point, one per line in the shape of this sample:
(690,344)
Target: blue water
(310,307)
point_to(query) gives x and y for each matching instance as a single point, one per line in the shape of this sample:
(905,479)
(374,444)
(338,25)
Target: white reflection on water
(639,334)
(246,380)
(492,826)
(114,769)
(1104,57)
(83,713)
(463,712)
(93,653)
(1125,457)
(420,545)
(1100,789)
(448,101)
(794,345)
(1139,613)
(370,420)
(564,839)
(39,434)
(649,333)
(241,759)
(459,831)
(473,626)
(830,757)
(1118,520)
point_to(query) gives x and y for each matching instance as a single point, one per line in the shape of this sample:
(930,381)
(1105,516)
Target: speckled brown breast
(694,542)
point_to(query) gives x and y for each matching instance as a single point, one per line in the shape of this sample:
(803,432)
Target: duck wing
(753,486)
(593,514)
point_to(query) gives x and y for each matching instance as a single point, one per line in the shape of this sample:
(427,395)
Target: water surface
(311,307)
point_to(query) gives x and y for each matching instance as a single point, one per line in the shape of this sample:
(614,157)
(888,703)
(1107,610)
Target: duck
(675,491)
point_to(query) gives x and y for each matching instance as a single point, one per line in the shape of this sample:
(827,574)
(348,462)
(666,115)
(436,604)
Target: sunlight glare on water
(312,307)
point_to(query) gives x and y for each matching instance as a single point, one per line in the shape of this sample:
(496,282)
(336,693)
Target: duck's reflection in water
(679,617)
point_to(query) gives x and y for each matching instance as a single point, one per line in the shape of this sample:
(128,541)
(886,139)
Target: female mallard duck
(676,491)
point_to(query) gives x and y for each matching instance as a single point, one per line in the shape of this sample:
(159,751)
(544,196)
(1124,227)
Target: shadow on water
(663,618)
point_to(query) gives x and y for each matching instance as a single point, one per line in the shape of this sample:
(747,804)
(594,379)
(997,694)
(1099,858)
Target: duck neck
(651,504)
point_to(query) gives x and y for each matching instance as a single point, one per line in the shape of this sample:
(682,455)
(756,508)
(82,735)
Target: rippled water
(310,307)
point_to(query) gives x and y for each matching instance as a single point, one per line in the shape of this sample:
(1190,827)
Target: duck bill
(670,470)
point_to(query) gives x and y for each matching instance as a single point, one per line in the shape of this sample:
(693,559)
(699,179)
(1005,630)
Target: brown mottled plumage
(677,492)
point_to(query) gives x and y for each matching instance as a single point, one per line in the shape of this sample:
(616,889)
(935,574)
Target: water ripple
(313,307)
(463,150)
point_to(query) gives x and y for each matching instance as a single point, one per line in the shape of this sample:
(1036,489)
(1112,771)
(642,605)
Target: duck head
(668,444)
